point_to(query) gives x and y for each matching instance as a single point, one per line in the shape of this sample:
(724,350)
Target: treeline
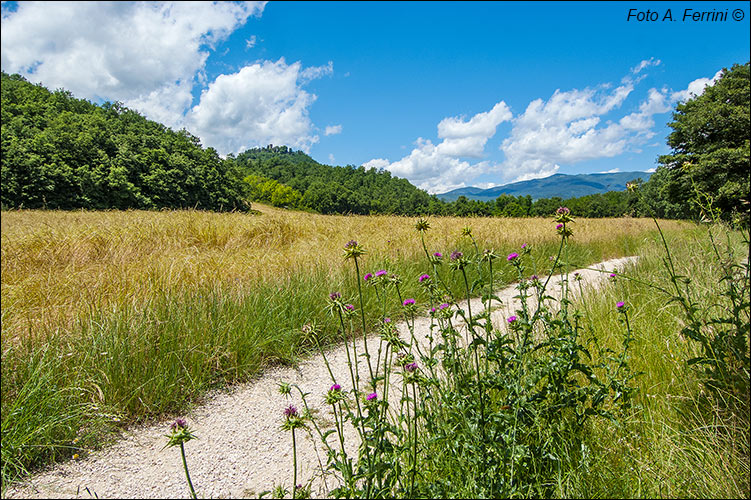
(59,152)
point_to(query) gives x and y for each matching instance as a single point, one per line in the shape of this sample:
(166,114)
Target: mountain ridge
(562,185)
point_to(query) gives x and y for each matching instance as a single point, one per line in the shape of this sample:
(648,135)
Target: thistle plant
(180,434)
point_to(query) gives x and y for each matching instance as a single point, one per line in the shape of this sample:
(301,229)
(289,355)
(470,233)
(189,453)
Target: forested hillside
(60,152)
(328,189)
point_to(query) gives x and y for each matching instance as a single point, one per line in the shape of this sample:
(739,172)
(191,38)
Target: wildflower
(335,296)
(409,302)
(511,319)
(380,273)
(456,255)
(613,277)
(443,306)
(620,305)
(432,310)
(512,256)
(178,424)
(292,419)
(422,225)
(76,456)
(438,255)
(367,277)
(179,433)
(290,412)
(334,395)
(349,307)
(524,246)
(424,277)
(563,211)
(410,367)
(284,388)
(559,226)
(577,276)
(489,255)
(387,320)
(352,250)
(371,397)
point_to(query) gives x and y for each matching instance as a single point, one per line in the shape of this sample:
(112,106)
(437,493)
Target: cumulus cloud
(250,42)
(261,104)
(145,54)
(439,167)
(563,129)
(333,130)
(695,88)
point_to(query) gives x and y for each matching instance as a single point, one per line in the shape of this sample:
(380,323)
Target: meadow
(110,318)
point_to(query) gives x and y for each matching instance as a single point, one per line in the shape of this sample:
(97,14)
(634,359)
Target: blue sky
(445,94)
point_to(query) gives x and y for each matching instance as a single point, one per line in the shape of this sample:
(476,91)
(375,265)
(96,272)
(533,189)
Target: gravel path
(241,450)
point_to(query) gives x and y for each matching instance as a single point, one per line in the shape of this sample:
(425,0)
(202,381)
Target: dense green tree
(62,152)
(710,147)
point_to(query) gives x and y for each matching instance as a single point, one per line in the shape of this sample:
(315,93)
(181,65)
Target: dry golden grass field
(58,264)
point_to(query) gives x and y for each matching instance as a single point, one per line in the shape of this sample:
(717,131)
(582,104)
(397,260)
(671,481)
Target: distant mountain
(563,185)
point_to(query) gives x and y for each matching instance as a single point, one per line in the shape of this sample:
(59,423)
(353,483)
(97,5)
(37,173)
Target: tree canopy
(710,149)
(62,152)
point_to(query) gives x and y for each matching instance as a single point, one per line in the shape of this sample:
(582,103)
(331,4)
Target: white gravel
(241,450)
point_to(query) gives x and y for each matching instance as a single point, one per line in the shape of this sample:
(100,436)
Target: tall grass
(114,317)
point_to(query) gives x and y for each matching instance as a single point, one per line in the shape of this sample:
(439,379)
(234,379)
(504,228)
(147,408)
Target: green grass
(67,384)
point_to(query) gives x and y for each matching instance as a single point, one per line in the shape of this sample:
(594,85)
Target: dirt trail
(241,450)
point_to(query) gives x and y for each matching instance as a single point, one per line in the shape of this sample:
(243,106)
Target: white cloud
(331,158)
(250,42)
(145,54)
(333,130)
(695,88)
(315,72)
(563,129)
(611,171)
(261,104)
(651,170)
(645,64)
(438,168)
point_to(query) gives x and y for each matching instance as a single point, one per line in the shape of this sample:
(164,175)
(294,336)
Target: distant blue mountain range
(563,185)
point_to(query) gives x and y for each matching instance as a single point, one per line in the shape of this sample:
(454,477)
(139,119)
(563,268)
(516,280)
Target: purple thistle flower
(456,254)
(524,245)
(559,226)
(290,411)
(512,256)
(432,310)
(563,211)
(620,305)
(443,306)
(372,396)
(349,307)
(438,254)
(387,320)
(181,423)
(408,302)
(336,387)
(335,295)
(380,273)
(410,367)
(367,277)
(424,277)
(533,277)
(511,319)
(351,244)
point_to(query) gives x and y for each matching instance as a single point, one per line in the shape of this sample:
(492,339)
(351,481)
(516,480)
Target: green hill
(60,152)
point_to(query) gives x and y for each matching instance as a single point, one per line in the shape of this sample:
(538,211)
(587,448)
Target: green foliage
(66,153)
(710,143)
